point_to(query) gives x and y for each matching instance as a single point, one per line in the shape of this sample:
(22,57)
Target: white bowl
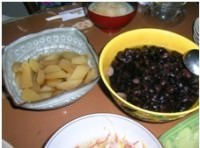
(91,128)
(48,41)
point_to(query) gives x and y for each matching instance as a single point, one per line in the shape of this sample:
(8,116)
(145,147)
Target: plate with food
(103,130)
(49,69)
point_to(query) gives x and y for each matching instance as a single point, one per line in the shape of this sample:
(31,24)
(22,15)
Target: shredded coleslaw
(112,141)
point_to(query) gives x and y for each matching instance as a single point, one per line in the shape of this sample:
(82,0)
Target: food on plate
(52,74)
(112,141)
(153,78)
(111,9)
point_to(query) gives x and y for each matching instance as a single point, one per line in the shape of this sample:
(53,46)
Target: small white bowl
(47,41)
(89,129)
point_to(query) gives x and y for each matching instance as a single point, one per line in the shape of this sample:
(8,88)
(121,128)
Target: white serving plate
(89,128)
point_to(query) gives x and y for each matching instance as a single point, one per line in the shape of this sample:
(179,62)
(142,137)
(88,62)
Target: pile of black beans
(154,78)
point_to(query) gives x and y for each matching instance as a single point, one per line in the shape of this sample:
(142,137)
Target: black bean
(180,84)
(154,78)
(136,80)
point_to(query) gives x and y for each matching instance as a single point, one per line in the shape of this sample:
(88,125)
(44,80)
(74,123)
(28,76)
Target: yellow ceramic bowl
(140,37)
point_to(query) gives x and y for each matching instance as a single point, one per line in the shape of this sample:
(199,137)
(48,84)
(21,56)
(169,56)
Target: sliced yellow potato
(79,72)
(18,78)
(40,77)
(46,88)
(36,86)
(56,75)
(53,82)
(30,95)
(45,95)
(51,68)
(50,75)
(82,59)
(26,78)
(35,66)
(64,61)
(69,68)
(68,85)
(91,75)
(49,62)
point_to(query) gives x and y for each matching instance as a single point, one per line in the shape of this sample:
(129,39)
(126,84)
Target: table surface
(26,128)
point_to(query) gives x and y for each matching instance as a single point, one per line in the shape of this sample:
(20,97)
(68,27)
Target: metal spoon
(191,61)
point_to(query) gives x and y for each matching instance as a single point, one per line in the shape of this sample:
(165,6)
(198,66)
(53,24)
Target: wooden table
(32,129)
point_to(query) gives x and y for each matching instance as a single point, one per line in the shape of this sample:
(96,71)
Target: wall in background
(14,9)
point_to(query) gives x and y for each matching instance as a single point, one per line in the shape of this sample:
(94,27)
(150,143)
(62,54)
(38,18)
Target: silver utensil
(191,61)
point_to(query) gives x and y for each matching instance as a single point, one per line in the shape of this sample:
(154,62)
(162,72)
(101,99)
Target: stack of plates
(196,31)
